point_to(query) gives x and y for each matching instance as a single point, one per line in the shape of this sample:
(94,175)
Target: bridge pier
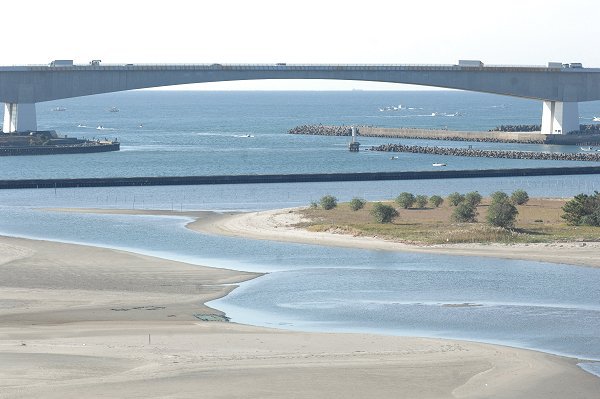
(19,117)
(560,117)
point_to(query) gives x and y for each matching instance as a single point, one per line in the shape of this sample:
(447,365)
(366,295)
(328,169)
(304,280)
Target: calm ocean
(553,308)
(204,133)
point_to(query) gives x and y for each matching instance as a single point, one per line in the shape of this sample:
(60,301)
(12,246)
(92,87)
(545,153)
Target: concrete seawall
(455,135)
(59,149)
(293,178)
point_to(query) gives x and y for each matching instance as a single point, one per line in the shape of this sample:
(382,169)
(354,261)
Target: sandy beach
(278,225)
(79,321)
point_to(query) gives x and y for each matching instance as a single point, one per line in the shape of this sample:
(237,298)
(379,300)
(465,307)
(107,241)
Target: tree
(502,213)
(455,198)
(405,200)
(473,198)
(519,197)
(357,203)
(499,196)
(328,202)
(436,200)
(464,213)
(383,213)
(421,201)
(583,209)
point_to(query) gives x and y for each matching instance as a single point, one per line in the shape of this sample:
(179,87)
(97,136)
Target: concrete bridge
(560,87)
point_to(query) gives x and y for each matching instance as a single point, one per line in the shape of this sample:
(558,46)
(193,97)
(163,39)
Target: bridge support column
(559,117)
(19,118)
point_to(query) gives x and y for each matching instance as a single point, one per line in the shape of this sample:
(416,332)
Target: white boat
(438,164)
(113,109)
(393,157)
(80,125)
(59,109)
(434,114)
(596,119)
(100,127)
(586,148)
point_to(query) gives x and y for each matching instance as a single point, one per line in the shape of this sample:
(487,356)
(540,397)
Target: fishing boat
(438,164)
(586,148)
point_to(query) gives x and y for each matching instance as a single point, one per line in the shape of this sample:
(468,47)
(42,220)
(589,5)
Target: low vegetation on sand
(499,218)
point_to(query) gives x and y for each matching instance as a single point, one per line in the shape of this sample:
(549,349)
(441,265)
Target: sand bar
(277,225)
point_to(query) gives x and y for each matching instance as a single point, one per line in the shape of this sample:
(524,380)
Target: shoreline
(111,313)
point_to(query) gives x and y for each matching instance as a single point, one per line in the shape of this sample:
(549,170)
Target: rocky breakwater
(470,152)
(322,130)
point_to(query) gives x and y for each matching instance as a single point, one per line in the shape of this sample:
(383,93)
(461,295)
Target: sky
(526,32)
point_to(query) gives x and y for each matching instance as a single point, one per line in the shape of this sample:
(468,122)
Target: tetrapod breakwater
(508,154)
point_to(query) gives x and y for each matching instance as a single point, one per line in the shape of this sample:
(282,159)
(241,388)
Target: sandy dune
(79,321)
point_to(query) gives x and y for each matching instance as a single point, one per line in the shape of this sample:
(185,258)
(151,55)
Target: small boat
(434,114)
(100,127)
(586,148)
(59,109)
(80,125)
(438,164)
(393,157)
(596,119)
(113,109)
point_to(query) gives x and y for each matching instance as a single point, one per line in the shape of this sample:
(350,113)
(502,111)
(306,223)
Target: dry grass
(538,221)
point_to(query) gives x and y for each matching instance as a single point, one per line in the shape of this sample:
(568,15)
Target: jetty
(586,136)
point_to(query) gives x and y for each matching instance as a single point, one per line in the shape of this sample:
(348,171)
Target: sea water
(166,133)
(554,308)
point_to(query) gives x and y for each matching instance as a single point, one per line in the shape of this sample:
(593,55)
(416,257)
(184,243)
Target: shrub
(499,196)
(455,198)
(519,197)
(436,200)
(464,213)
(473,198)
(357,203)
(383,213)
(328,202)
(314,205)
(583,210)
(421,201)
(502,213)
(405,200)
